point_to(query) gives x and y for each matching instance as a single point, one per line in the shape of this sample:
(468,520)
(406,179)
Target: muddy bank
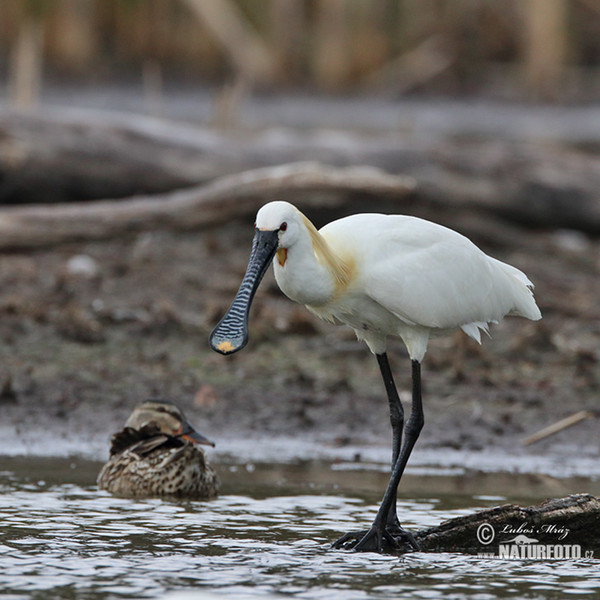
(90,329)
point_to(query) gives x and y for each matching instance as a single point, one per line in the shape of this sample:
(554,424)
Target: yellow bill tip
(225,346)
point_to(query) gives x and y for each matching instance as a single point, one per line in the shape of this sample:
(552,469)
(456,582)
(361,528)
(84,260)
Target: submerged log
(559,528)
(86,155)
(229,197)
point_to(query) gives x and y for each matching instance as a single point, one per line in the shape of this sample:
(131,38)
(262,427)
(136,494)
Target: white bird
(381,275)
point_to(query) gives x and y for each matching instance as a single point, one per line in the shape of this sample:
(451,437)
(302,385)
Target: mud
(90,329)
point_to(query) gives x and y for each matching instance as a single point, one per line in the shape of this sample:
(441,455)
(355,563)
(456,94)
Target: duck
(156,454)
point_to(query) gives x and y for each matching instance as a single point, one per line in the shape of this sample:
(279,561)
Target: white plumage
(407,277)
(381,275)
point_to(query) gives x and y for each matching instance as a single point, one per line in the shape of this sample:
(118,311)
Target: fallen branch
(81,155)
(226,198)
(572,521)
(556,427)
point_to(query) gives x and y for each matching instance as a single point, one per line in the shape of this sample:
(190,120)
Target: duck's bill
(190,434)
(231,334)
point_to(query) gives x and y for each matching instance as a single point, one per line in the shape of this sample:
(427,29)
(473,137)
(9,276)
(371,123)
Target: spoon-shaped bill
(231,333)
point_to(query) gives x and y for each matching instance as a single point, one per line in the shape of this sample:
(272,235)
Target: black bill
(231,334)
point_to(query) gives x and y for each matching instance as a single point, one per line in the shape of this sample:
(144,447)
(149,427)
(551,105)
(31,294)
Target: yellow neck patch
(341,270)
(282,256)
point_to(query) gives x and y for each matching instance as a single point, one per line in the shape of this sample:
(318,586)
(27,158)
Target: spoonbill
(381,275)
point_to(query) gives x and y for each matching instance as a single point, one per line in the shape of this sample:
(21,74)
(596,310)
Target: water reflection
(65,540)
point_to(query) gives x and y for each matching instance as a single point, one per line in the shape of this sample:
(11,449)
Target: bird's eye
(283,226)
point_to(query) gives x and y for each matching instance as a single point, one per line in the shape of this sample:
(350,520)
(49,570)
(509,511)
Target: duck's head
(166,417)
(278,226)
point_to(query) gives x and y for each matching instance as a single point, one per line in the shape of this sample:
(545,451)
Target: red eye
(283,226)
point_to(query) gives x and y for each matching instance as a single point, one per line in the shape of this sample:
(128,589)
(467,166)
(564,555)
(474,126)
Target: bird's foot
(403,537)
(378,539)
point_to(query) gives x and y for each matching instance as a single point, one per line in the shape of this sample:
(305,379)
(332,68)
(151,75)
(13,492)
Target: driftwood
(89,156)
(86,155)
(555,428)
(228,197)
(558,528)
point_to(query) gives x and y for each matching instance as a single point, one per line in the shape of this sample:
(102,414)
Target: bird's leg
(373,540)
(397,421)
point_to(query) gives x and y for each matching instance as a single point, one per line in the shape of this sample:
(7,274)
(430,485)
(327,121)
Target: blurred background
(520,50)
(482,115)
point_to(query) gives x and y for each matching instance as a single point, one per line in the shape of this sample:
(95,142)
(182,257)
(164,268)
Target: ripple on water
(66,540)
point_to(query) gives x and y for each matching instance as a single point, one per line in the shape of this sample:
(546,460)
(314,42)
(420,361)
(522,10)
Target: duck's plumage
(154,456)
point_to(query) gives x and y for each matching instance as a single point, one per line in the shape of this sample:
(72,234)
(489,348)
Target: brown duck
(155,454)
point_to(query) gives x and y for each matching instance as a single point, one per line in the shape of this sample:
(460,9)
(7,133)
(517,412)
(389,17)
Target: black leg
(396,408)
(373,540)
(397,421)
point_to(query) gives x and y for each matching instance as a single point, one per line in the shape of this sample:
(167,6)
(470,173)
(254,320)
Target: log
(229,197)
(572,522)
(83,155)
(89,156)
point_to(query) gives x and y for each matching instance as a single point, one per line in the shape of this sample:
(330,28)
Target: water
(267,536)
